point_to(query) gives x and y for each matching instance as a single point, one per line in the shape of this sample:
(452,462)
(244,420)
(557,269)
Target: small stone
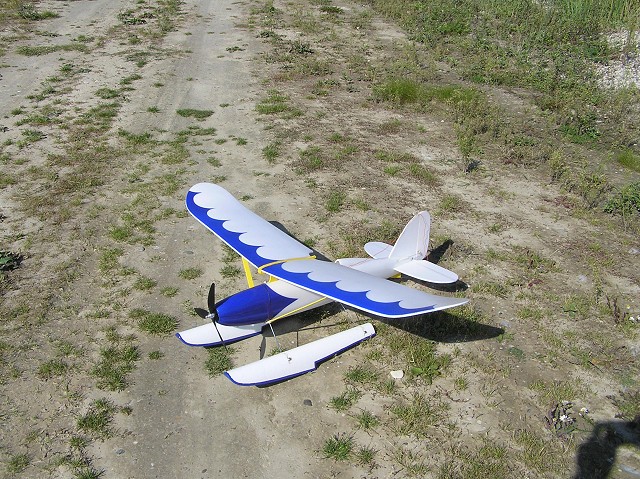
(120,451)
(307,402)
(397,374)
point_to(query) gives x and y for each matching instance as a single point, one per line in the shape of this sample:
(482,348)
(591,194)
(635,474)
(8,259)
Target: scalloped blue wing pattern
(248,234)
(360,290)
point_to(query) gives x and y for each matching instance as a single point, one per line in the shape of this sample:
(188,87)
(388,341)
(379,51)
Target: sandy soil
(178,421)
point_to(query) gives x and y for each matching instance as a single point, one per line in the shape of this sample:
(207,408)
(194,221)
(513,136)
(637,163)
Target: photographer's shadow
(596,456)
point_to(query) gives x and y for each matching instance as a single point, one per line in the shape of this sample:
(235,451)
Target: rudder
(413,242)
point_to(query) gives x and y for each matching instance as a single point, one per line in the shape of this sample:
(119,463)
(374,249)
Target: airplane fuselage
(278,299)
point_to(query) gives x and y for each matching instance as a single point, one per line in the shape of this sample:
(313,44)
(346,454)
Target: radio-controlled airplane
(299,282)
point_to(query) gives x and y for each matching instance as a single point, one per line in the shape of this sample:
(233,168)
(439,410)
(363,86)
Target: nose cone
(251,306)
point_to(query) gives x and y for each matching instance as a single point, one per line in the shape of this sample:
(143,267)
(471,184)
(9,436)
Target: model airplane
(299,282)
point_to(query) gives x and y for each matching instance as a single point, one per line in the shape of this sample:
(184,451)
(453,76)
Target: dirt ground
(97,158)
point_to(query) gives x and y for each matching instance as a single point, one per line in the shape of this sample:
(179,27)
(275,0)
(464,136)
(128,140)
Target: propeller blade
(201,312)
(211,299)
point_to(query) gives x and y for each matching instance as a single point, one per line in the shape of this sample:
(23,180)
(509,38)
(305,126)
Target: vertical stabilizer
(413,242)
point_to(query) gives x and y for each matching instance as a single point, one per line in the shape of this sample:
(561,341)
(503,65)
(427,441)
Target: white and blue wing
(360,290)
(267,247)
(248,234)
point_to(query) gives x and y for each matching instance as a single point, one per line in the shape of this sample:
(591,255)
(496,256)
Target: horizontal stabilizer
(378,250)
(300,360)
(206,335)
(427,271)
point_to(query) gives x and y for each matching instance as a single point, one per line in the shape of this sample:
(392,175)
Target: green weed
(339,447)
(97,420)
(194,113)
(364,375)
(144,284)
(415,418)
(628,404)
(218,360)
(271,152)
(18,463)
(34,51)
(230,271)
(365,456)
(154,323)
(367,420)
(52,368)
(116,361)
(190,273)
(155,355)
(169,291)
(335,201)
(345,400)
(626,201)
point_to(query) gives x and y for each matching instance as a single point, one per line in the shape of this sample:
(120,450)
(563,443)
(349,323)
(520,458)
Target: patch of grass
(338,447)
(415,418)
(412,462)
(271,152)
(219,360)
(364,375)
(194,113)
(230,271)
(97,420)
(213,161)
(31,136)
(169,291)
(155,355)
(190,273)
(488,461)
(28,11)
(107,93)
(491,288)
(154,323)
(345,400)
(628,404)
(135,138)
(311,159)
(422,174)
(558,391)
(367,420)
(52,368)
(18,463)
(629,160)
(335,201)
(108,260)
(144,284)
(121,233)
(451,204)
(128,80)
(626,201)
(116,361)
(274,103)
(34,51)
(365,456)
(533,448)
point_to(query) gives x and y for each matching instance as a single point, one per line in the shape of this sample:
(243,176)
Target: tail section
(413,242)
(410,249)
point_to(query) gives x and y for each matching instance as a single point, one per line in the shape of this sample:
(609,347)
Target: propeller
(210,312)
